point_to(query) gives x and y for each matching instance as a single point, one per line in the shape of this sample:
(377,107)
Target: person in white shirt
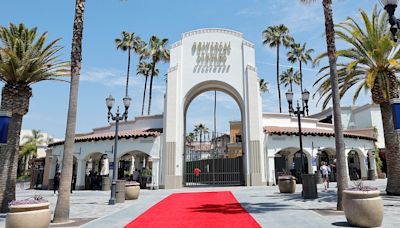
(325,170)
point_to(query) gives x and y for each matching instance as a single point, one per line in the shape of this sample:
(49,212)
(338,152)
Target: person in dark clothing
(56,182)
(73,182)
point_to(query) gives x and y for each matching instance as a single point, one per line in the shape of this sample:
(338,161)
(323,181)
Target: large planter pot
(132,191)
(287,184)
(29,215)
(363,208)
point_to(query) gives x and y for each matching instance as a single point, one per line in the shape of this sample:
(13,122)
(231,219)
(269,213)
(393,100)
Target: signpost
(4,123)
(396,113)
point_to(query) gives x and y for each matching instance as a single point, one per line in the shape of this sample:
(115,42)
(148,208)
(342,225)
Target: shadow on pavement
(329,196)
(342,224)
(236,208)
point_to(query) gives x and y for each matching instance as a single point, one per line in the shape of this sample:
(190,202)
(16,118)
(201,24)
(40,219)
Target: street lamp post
(117,117)
(298,112)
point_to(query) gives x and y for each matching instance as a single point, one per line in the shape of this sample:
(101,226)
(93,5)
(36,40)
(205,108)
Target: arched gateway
(204,60)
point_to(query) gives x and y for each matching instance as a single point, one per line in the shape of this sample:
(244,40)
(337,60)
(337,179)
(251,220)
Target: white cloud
(108,77)
(249,12)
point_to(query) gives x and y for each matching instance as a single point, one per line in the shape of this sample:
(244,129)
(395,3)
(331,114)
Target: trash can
(105,183)
(371,174)
(309,183)
(120,191)
(318,177)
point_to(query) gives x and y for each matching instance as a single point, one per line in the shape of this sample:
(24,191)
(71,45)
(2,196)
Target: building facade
(207,60)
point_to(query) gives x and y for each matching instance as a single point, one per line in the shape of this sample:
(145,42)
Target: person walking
(56,182)
(325,170)
(135,175)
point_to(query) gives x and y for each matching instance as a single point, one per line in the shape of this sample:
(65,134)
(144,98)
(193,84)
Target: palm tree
(190,138)
(342,178)
(264,86)
(274,36)
(30,145)
(156,51)
(302,55)
(36,138)
(144,68)
(61,213)
(289,77)
(27,150)
(25,59)
(200,129)
(128,42)
(371,64)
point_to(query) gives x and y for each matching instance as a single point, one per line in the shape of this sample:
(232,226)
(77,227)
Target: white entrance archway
(212,59)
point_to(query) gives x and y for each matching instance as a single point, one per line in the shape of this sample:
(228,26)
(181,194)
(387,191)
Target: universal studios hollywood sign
(211,56)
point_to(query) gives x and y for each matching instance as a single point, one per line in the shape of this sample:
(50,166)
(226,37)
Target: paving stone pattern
(270,208)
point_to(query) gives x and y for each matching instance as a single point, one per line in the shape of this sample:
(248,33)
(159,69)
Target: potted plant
(286,183)
(32,212)
(362,205)
(132,190)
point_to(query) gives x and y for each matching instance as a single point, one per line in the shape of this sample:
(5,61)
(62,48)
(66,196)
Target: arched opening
(136,166)
(328,155)
(353,161)
(93,170)
(290,160)
(214,137)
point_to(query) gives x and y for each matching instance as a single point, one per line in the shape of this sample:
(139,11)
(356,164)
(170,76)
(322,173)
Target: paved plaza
(265,204)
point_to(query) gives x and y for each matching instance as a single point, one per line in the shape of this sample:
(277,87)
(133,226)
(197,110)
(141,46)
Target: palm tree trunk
(15,99)
(301,78)
(9,162)
(144,93)
(301,83)
(127,74)
(61,213)
(277,78)
(342,177)
(291,87)
(392,150)
(151,86)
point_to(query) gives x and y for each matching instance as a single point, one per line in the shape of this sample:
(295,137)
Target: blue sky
(104,68)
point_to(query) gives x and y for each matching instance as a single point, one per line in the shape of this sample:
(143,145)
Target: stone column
(155,173)
(271,171)
(80,174)
(372,161)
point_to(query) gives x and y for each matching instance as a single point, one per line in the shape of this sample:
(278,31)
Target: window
(238,138)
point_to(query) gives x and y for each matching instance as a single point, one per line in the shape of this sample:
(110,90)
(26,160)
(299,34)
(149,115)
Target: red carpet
(203,209)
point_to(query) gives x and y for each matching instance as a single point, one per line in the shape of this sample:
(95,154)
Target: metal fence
(214,171)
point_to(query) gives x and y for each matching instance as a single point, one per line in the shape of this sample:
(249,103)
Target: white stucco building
(365,119)
(206,60)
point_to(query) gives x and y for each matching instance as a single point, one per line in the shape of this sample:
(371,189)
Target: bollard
(120,191)
(371,174)
(105,183)
(309,183)
(318,177)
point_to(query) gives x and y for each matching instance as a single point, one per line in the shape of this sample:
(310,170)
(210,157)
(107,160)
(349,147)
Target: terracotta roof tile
(275,130)
(127,134)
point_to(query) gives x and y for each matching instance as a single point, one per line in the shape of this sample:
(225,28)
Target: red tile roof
(274,130)
(127,134)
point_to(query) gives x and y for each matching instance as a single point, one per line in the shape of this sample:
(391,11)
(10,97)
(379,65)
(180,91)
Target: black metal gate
(210,164)
(215,171)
